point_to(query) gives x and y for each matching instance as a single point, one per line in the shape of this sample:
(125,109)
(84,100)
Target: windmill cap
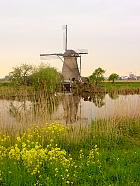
(70,53)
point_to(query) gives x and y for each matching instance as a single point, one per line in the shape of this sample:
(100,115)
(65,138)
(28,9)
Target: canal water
(67,109)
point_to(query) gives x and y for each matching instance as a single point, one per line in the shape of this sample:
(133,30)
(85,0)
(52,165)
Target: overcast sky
(109,29)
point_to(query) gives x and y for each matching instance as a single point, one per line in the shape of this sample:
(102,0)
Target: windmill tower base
(66,86)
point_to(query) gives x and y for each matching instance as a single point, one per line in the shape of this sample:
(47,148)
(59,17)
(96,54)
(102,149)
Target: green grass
(121,85)
(119,148)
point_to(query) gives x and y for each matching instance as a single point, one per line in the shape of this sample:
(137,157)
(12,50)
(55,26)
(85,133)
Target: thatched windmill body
(70,70)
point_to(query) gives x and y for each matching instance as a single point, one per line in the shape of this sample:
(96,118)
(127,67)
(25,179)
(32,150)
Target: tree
(45,78)
(97,76)
(20,75)
(113,77)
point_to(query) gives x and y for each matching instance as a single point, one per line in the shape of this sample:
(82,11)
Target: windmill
(70,70)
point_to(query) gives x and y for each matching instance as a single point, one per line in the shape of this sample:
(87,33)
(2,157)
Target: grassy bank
(106,153)
(121,86)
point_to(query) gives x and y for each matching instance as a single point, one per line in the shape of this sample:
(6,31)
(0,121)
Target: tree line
(48,78)
(98,76)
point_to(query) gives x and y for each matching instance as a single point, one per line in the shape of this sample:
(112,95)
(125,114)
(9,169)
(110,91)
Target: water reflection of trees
(96,98)
(99,98)
(41,107)
(37,108)
(113,95)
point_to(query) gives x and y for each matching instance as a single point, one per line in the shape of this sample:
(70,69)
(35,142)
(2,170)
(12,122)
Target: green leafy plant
(45,78)
(97,76)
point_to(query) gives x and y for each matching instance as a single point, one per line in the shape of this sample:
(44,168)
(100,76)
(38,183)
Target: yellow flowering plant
(37,151)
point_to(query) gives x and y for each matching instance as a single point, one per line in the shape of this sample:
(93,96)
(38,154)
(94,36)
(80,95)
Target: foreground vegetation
(106,153)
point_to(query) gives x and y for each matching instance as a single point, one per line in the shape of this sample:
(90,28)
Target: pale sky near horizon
(109,29)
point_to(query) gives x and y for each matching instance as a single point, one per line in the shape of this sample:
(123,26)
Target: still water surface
(67,109)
